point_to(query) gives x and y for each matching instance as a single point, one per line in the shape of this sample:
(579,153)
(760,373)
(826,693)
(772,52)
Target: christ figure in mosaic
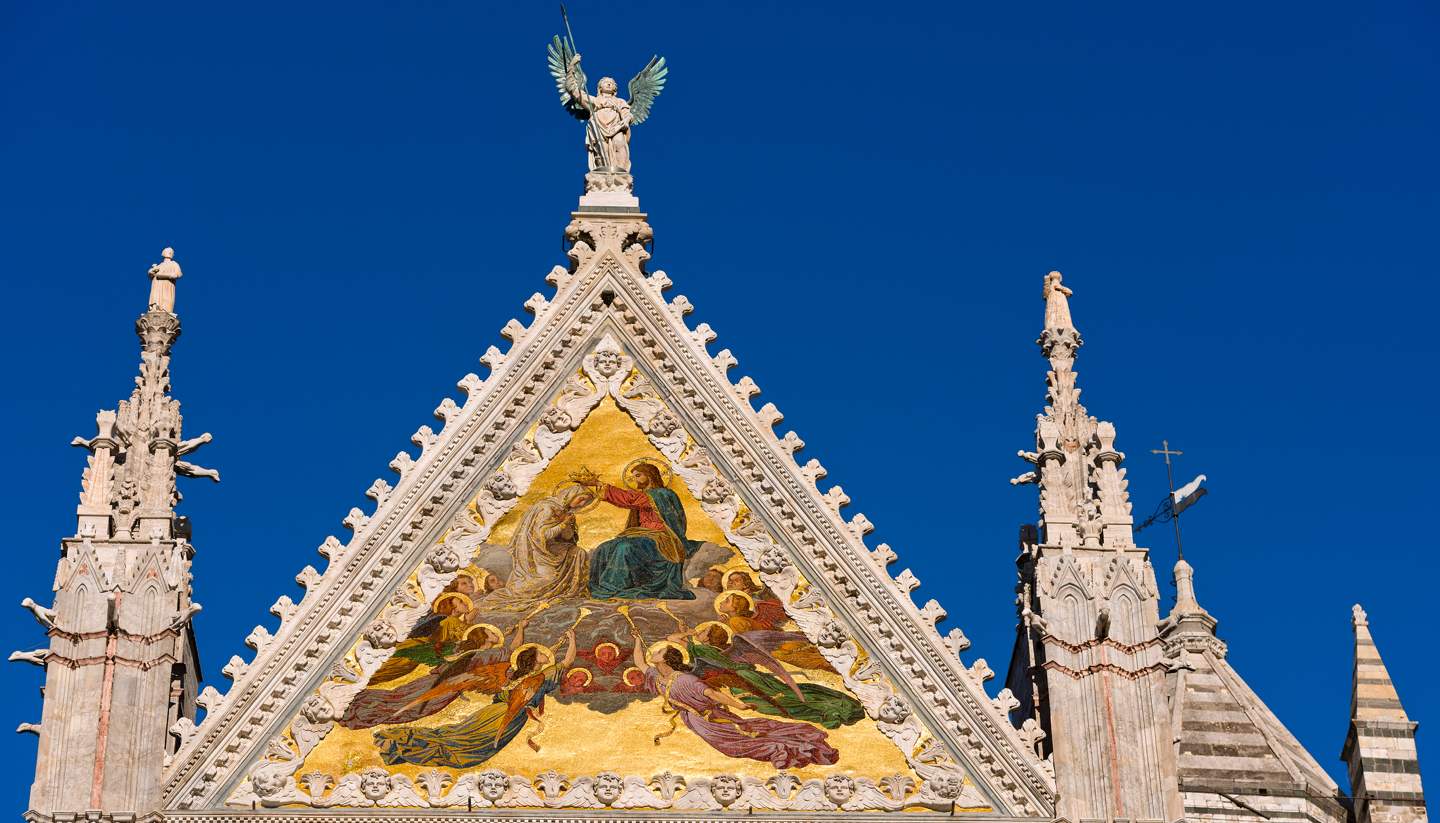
(647,559)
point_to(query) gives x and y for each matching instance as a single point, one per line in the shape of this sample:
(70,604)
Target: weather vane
(1178,500)
(608,117)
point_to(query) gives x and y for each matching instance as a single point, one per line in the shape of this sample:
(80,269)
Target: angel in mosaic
(712,713)
(518,685)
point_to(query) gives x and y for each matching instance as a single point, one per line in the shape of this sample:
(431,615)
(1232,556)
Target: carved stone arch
(81,604)
(1066,572)
(1127,619)
(1072,621)
(148,610)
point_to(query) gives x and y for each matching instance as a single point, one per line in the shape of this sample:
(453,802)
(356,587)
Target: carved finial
(162,282)
(1358,617)
(1057,303)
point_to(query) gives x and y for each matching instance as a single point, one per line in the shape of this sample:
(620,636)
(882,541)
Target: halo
(729,593)
(564,484)
(662,644)
(614,646)
(543,655)
(484,627)
(466,573)
(448,596)
(589,678)
(625,676)
(665,474)
(700,631)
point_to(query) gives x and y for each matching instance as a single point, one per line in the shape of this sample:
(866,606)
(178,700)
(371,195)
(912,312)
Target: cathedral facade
(603,586)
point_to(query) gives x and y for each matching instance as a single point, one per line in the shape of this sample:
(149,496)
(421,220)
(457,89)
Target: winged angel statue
(608,117)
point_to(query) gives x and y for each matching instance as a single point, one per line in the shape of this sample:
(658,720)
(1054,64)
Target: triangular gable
(607,337)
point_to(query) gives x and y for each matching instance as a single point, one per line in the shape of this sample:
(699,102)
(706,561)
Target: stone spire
(121,666)
(1188,621)
(1083,491)
(1088,661)
(1380,747)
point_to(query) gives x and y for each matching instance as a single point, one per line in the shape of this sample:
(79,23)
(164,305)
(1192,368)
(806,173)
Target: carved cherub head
(382,634)
(832,636)
(607,362)
(267,782)
(726,789)
(317,709)
(946,786)
(374,783)
(608,787)
(839,789)
(893,710)
(492,785)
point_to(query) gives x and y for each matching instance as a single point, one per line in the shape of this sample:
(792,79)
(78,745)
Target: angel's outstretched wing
(754,648)
(567,79)
(645,87)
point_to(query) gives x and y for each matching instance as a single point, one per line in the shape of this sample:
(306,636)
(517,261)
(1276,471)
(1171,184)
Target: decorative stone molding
(606,286)
(492,789)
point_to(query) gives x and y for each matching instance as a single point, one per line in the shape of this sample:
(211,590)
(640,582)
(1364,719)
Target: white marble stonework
(1107,712)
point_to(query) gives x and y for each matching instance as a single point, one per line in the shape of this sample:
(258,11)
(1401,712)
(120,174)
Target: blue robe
(475,739)
(631,566)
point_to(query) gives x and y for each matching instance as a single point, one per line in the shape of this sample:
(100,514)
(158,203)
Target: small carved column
(94,510)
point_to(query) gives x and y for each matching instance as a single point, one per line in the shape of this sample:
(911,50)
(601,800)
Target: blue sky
(862,199)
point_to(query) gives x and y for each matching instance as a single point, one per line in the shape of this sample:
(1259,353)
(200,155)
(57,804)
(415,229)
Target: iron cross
(1170,476)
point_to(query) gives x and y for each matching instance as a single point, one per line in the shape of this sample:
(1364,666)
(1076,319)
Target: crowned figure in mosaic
(548,562)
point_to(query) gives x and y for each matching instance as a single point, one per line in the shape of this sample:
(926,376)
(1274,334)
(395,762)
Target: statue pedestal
(609,201)
(609,191)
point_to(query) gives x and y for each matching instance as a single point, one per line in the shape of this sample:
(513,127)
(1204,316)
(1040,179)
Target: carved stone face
(317,709)
(832,636)
(726,789)
(608,787)
(839,789)
(607,362)
(443,559)
(374,783)
(501,486)
(715,490)
(556,420)
(381,634)
(607,85)
(946,787)
(893,710)
(664,424)
(492,785)
(773,560)
(267,782)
